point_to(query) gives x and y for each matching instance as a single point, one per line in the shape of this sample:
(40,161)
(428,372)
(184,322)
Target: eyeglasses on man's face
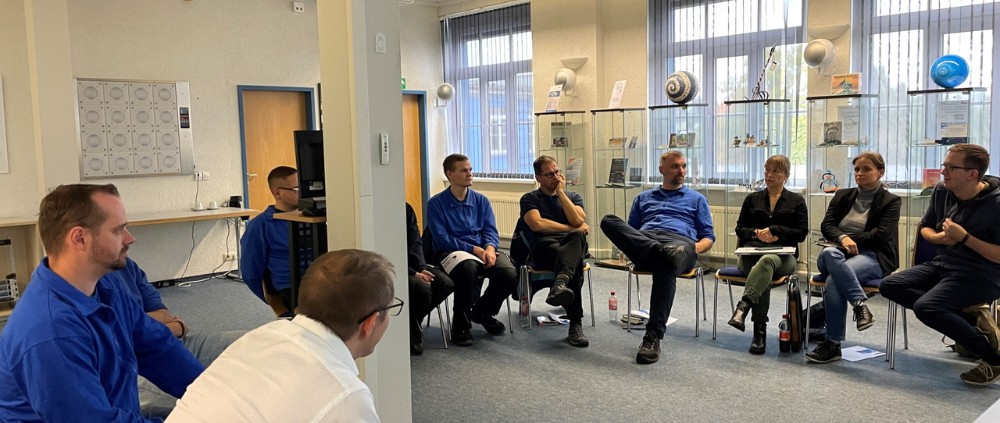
(393,310)
(296,189)
(551,174)
(951,168)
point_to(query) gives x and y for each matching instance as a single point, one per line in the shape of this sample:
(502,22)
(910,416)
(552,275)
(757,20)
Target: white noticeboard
(134,128)
(4,163)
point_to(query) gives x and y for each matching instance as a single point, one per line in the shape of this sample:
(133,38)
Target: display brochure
(617,174)
(574,166)
(931,177)
(560,133)
(953,122)
(850,117)
(552,319)
(635,175)
(845,83)
(858,353)
(685,139)
(832,132)
(616,142)
(633,142)
(455,258)
(552,105)
(616,94)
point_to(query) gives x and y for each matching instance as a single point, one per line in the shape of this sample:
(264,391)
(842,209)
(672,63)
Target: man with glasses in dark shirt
(961,222)
(554,227)
(264,253)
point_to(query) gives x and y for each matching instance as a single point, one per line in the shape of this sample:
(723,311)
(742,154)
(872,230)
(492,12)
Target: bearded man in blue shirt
(667,228)
(75,344)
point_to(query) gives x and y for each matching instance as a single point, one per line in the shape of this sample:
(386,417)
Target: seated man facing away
(667,227)
(429,286)
(75,345)
(464,231)
(303,370)
(556,234)
(264,254)
(153,402)
(961,221)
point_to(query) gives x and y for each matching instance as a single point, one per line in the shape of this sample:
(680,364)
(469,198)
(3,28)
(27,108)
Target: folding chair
(697,273)
(732,275)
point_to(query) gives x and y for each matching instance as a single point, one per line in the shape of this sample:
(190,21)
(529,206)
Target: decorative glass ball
(681,87)
(949,71)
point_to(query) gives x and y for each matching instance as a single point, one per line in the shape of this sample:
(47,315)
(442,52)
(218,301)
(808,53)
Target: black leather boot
(759,338)
(740,315)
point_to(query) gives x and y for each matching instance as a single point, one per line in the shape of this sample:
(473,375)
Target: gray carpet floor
(535,376)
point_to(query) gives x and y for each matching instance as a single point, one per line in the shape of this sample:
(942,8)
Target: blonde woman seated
(862,222)
(772,217)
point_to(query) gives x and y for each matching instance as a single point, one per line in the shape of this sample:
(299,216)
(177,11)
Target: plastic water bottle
(784,335)
(613,307)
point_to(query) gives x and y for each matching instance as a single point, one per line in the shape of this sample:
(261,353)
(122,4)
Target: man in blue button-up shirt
(462,220)
(75,344)
(264,253)
(667,227)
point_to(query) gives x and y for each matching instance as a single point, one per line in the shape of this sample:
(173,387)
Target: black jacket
(789,221)
(880,234)
(414,245)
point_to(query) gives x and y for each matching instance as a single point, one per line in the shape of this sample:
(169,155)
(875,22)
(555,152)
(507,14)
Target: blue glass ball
(949,71)
(681,87)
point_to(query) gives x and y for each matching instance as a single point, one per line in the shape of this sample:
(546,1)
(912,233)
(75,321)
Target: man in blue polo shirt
(465,240)
(667,227)
(554,226)
(75,344)
(264,252)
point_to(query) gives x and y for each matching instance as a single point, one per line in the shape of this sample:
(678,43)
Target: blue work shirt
(69,357)
(682,211)
(462,225)
(265,251)
(138,287)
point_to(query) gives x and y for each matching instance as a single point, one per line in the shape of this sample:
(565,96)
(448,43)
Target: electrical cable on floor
(190,253)
(212,274)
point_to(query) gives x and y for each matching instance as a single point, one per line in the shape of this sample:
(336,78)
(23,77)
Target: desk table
(306,242)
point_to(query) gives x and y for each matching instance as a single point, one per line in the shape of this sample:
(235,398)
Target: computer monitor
(309,162)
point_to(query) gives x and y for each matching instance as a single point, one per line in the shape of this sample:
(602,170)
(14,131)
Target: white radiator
(506,210)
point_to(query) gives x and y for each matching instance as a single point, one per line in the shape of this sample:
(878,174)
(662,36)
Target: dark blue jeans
(937,296)
(642,248)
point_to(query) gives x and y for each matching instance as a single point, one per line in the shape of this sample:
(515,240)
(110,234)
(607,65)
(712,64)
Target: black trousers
(468,278)
(937,296)
(641,248)
(563,254)
(424,297)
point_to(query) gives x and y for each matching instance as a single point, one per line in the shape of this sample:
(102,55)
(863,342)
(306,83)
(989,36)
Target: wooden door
(269,120)
(412,155)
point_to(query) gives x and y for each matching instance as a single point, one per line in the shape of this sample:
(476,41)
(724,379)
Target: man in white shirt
(303,369)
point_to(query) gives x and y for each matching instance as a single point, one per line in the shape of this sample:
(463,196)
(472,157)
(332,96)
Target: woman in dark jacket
(772,217)
(862,222)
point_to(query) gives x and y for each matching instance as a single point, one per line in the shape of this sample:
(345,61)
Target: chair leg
(697,321)
(524,298)
(906,336)
(628,304)
(447,315)
(891,337)
(700,278)
(444,336)
(510,317)
(715,306)
(809,299)
(590,287)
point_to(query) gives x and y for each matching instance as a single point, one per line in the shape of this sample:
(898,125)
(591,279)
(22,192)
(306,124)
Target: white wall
(20,187)
(422,66)
(215,45)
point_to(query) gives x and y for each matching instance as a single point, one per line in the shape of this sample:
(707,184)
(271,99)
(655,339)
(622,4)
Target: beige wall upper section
(21,183)
(830,12)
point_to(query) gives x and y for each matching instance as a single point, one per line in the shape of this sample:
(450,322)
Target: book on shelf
(845,83)
(850,117)
(685,139)
(616,142)
(632,142)
(574,166)
(616,176)
(559,142)
(833,132)
(931,177)
(673,141)
(552,319)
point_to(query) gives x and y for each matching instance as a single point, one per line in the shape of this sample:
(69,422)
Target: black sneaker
(863,316)
(576,336)
(461,337)
(649,351)
(825,352)
(490,323)
(560,295)
(416,339)
(982,374)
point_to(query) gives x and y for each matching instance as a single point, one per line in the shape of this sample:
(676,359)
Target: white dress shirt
(285,371)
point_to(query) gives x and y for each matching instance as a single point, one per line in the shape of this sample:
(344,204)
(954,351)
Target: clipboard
(751,251)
